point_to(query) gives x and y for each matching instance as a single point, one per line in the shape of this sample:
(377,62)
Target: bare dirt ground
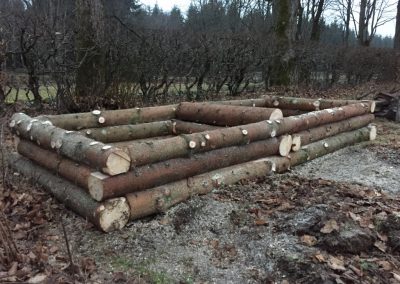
(333,220)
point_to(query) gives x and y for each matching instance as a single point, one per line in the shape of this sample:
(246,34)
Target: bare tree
(372,14)
(397,34)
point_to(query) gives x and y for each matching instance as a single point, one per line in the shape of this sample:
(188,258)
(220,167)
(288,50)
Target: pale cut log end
(114,214)
(95,185)
(276,114)
(372,132)
(373,105)
(118,162)
(296,143)
(285,145)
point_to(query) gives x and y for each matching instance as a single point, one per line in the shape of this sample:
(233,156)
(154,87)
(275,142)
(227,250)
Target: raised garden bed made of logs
(115,166)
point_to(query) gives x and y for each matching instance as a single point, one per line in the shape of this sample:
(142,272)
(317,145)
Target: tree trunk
(362,25)
(107,216)
(224,115)
(347,22)
(285,22)
(323,147)
(310,104)
(76,173)
(102,187)
(71,144)
(129,132)
(91,71)
(185,145)
(159,199)
(76,121)
(397,33)
(315,29)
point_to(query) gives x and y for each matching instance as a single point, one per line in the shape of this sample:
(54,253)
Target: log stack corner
(114,166)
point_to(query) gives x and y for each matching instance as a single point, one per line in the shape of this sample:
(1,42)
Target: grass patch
(142,270)
(45,93)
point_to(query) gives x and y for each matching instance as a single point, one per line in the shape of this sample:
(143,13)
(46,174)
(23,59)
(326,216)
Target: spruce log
(314,134)
(109,215)
(245,102)
(225,115)
(258,103)
(128,132)
(310,104)
(71,144)
(125,144)
(186,144)
(159,199)
(323,147)
(76,173)
(97,118)
(103,187)
(185,127)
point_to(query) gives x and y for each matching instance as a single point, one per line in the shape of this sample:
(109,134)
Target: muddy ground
(333,220)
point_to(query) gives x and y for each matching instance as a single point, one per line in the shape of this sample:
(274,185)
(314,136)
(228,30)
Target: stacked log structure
(115,166)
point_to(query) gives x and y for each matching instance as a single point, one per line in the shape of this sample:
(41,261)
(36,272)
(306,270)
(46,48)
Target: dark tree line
(112,53)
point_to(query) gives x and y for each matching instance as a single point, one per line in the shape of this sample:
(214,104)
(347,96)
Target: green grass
(141,269)
(45,93)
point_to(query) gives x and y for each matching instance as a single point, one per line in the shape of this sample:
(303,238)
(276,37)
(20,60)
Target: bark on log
(76,173)
(184,145)
(184,127)
(125,144)
(110,215)
(310,104)
(314,134)
(323,147)
(246,102)
(73,145)
(258,103)
(159,199)
(225,115)
(102,187)
(129,132)
(97,118)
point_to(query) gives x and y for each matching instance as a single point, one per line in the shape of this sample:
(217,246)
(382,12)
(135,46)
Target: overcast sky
(166,5)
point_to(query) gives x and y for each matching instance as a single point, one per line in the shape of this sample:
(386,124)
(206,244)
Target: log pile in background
(115,166)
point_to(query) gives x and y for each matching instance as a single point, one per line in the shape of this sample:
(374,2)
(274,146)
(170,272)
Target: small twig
(66,241)
(3,160)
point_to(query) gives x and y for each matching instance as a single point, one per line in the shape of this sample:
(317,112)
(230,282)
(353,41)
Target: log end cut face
(285,145)
(118,162)
(113,214)
(276,114)
(296,143)
(95,185)
(372,132)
